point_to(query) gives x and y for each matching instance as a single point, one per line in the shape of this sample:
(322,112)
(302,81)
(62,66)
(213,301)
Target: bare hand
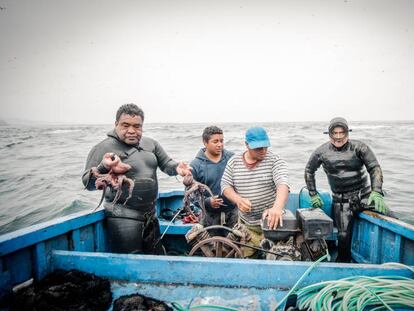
(244,205)
(216,202)
(274,217)
(183,169)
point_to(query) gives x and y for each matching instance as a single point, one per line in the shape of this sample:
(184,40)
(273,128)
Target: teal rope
(179,307)
(355,293)
(292,290)
(397,264)
(358,293)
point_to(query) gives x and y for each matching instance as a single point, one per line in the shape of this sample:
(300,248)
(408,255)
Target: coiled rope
(179,307)
(358,293)
(293,289)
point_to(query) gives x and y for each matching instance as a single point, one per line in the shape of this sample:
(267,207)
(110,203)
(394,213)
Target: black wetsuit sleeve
(165,163)
(94,160)
(311,167)
(374,169)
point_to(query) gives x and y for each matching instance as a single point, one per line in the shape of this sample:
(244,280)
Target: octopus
(115,179)
(194,191)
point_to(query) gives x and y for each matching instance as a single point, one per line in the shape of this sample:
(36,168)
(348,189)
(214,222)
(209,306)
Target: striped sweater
(258,184)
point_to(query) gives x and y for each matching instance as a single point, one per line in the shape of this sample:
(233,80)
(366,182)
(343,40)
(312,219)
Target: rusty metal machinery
(203,244)
(281,250)
(284,243)
(217,247)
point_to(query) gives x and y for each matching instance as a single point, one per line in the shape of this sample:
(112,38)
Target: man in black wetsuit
(354,176)
(133,227)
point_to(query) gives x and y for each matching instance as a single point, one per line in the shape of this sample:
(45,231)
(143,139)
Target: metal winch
(203,244)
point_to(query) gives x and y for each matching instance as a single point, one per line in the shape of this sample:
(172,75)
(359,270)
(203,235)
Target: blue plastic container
(305,201)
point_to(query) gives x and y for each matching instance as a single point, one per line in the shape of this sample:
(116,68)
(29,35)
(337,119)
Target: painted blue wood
(407,249)
(209,271)
(19,264)
(83,240)
(26,237)
(394,225)
(397,249)
(76,241)
(172,200)
(40,261)
(359,258)
(375,235)
(99,237)
(5,280)
(387,246)
(375,239)
(61,242)
(176,228)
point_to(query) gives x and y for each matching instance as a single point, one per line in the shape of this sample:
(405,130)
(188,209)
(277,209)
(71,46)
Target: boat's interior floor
(240,298)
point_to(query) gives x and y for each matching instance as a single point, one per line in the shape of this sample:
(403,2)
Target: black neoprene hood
(338,122)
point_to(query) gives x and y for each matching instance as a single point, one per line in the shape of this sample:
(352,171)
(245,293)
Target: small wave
(13,144)
(188,136)
(22,178)
(76,205)
(26,138)
(370,127)
(307,127)
(19,141)
(64,131)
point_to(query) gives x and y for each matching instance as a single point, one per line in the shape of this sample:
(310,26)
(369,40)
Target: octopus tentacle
(117,196)
(195,190)
(102,198)
(115,179)
(130,184)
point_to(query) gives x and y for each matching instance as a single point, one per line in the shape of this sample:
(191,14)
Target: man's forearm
(376,179)
(310,182)
(231,195)
(282,195)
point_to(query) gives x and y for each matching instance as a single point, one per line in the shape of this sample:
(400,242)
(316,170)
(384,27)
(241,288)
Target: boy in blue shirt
(208,167)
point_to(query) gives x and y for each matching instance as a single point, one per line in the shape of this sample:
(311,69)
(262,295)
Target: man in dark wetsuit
(208,167)
(354,176)
(133,227)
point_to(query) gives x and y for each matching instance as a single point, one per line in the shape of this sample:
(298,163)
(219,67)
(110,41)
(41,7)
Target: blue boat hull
(78,242)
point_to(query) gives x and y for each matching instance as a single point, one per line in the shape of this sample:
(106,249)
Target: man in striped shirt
(257,183)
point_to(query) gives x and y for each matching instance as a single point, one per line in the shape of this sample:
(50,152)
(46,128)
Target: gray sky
(207,61)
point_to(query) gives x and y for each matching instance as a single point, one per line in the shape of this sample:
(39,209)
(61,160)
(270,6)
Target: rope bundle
(358,293)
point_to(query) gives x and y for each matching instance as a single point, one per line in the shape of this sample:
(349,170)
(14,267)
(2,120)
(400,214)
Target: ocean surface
(41,166)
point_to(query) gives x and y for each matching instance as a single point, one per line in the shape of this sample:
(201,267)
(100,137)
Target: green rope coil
(358,293)
(293,289)
(179,307)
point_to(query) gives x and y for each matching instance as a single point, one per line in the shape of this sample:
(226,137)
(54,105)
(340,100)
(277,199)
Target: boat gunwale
(198,270)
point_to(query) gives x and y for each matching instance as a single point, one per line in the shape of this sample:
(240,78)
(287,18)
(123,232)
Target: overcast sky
(207,61)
